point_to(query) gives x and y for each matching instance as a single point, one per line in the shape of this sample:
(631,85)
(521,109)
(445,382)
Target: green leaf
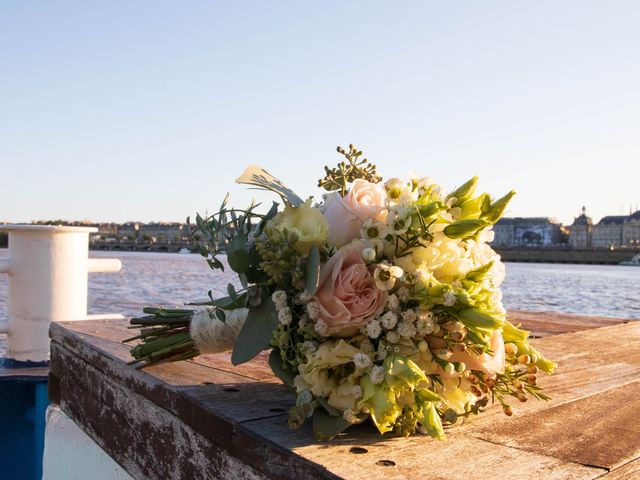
(463,228)
(326,427)
(221,315)
(238,260)
(474,317)
(313,269)
(464,191)
(226,303)
(237,255)
(231,291)
(275,362)
(256,332)
(498,207)
(259,177)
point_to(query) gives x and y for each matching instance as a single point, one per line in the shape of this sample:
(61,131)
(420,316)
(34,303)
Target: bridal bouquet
(379,301)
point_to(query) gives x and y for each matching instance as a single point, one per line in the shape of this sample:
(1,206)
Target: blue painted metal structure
(23,403)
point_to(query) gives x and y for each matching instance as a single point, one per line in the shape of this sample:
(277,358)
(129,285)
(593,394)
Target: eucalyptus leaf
(326,427)
(259,177)
(256,332)
(238,260)
(229,303)
(231,291)
(275,362)
(313,270)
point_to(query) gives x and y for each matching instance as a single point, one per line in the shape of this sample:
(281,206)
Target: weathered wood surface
(208,419)
(542,324)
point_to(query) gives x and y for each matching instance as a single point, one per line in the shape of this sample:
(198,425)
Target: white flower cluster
(279,298)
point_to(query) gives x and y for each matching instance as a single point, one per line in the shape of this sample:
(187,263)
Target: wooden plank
(630,471)
(162,383)
(151,442)
(602,430)
(146,440)
(363,454)
(542,324)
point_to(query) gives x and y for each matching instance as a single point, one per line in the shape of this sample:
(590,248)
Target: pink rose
(489,364)
(364,201)
(347,294)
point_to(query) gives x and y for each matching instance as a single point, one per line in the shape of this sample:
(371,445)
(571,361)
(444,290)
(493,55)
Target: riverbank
(578,256)
(588,256)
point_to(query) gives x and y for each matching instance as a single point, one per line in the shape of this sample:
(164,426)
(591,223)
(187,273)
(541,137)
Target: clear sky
(147,110)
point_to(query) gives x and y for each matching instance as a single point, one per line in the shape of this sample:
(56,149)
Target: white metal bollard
(48,274)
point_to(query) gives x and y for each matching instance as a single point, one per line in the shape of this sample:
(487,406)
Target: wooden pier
(207,419)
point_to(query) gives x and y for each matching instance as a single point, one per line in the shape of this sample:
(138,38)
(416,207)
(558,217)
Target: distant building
(528,232)
(161,232)
(581,231)
(617,231)
(107,232)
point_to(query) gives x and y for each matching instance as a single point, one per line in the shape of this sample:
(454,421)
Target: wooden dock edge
(159,423)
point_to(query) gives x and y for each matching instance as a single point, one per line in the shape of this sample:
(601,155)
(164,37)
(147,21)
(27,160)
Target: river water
(172,279)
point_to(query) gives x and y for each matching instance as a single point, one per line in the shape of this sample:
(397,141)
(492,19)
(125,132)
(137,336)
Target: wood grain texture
(542,324)
(238,412)
(630,471)
(602,430)
(361,453)
(146,440)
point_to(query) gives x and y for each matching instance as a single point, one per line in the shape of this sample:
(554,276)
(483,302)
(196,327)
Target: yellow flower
(314,374)
(456,393)
(306,222)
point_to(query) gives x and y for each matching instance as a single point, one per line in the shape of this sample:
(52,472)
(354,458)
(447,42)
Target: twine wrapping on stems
(211,335)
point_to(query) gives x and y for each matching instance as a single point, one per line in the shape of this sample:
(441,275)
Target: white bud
(368,254)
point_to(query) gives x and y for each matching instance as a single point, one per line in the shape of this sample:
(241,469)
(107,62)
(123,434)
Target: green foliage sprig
(346,172)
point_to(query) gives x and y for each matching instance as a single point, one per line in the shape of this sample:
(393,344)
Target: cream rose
(306,222)
(347,294)
(446,258)
(364,201)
